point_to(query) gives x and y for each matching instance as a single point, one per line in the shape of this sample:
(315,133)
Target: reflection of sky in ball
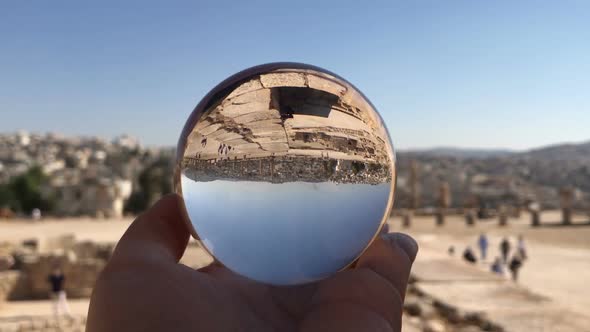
(285,233)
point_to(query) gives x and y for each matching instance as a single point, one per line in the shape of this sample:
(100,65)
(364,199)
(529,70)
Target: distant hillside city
(58,175)
(491,178)
(52,174)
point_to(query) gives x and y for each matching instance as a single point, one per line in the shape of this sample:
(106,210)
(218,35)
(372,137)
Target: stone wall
(80,275)
(81,262)
(288,169)
(42,323)
(13,286)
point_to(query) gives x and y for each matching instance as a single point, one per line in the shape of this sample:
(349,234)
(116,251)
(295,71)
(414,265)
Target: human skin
(145,288)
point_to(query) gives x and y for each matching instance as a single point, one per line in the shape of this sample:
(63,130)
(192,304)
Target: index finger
(159,234)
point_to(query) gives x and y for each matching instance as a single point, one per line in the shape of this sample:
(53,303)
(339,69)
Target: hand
(144,288)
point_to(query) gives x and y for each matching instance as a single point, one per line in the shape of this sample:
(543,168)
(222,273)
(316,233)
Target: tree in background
(23,193)
(153,182)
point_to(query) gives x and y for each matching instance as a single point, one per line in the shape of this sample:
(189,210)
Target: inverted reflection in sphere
(287,173)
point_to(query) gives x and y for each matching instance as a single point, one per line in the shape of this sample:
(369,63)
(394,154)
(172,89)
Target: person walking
(515,265)
(497,267)
(505,249)
(469,256)
(483,244)
(58,293)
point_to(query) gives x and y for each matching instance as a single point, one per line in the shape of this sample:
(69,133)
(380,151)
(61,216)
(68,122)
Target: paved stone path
(473,289)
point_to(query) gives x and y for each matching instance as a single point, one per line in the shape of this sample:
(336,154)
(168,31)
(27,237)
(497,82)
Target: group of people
(223,149)
(513,262)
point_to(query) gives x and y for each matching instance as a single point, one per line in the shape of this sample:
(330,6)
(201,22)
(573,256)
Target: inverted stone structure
(281,113)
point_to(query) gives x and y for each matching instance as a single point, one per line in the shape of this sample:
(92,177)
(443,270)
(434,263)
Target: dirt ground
(99,230)
(558,264)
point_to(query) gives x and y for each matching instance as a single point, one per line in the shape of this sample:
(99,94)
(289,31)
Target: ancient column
(502,215)
(407,218)
(566,196)
(535,218)
(439,217)
(535,211)
(469,217)
(414,185)
(517,211)
(444,201)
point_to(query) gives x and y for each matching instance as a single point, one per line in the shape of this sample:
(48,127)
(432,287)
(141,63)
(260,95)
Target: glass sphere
(287,173)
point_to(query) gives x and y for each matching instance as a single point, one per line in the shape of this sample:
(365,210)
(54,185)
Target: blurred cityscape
(75,176)
(489,179)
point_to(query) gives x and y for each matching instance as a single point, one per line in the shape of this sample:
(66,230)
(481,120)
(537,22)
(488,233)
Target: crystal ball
(287,173)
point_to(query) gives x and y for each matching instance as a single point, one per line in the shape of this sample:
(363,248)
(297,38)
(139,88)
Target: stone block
(283,79)
(449,312)
(258,116)
(434,325)
(32,243)
(256,96)
(251,85)
(38,323)
(6,262)
(407,219)
(439,218)
(234,110)
(62,242)
(9,327)
(412,307)
(320,83)
(26,325)
(6,247)
(80,274)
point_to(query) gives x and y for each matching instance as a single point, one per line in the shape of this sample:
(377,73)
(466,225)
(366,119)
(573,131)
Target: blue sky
(508,74)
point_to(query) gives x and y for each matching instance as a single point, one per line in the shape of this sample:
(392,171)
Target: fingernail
(384,228)
(407,243)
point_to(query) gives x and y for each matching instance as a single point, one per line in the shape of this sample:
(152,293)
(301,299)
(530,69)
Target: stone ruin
(567,197)
(444,201)
(470,217)
(423,312)
(502,215)
(407,217)
(24,267)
